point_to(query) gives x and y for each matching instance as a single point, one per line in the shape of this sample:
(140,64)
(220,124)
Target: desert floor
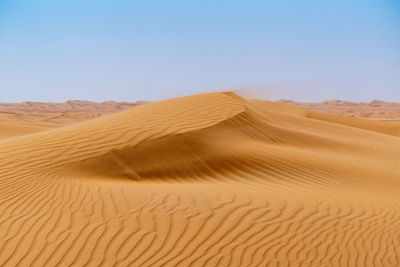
(202,180)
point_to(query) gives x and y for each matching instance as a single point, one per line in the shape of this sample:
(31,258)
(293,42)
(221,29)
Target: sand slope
(203,180)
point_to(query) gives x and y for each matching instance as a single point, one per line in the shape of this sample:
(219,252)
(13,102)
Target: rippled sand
(203,180)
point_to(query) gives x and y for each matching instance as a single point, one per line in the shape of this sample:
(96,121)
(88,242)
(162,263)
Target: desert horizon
(75,109)
(203,180)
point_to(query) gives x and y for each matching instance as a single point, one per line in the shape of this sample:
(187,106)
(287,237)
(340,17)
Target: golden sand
(203,180)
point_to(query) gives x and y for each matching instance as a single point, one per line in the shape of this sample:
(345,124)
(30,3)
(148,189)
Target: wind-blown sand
(203,180)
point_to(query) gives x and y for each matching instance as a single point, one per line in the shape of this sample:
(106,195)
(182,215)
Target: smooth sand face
(13,129)
(204,180)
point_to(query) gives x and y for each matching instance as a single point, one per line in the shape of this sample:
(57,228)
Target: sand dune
(203,180)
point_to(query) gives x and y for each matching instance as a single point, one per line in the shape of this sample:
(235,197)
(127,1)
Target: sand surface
(203,180)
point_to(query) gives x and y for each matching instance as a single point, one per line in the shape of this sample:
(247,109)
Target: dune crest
(203,180)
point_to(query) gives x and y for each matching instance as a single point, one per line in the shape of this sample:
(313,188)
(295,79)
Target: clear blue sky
(53,50)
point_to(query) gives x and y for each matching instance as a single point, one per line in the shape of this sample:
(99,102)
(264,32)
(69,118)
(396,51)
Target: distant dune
(374,110)
(202,180)
(59,113)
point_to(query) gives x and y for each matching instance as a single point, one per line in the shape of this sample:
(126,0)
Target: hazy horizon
(151,50)
(248,96)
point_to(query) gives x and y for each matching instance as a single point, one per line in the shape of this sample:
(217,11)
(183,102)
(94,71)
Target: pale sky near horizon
(151,50)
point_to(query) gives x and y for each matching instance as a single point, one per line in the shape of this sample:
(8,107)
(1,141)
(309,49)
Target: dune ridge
(203,180)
